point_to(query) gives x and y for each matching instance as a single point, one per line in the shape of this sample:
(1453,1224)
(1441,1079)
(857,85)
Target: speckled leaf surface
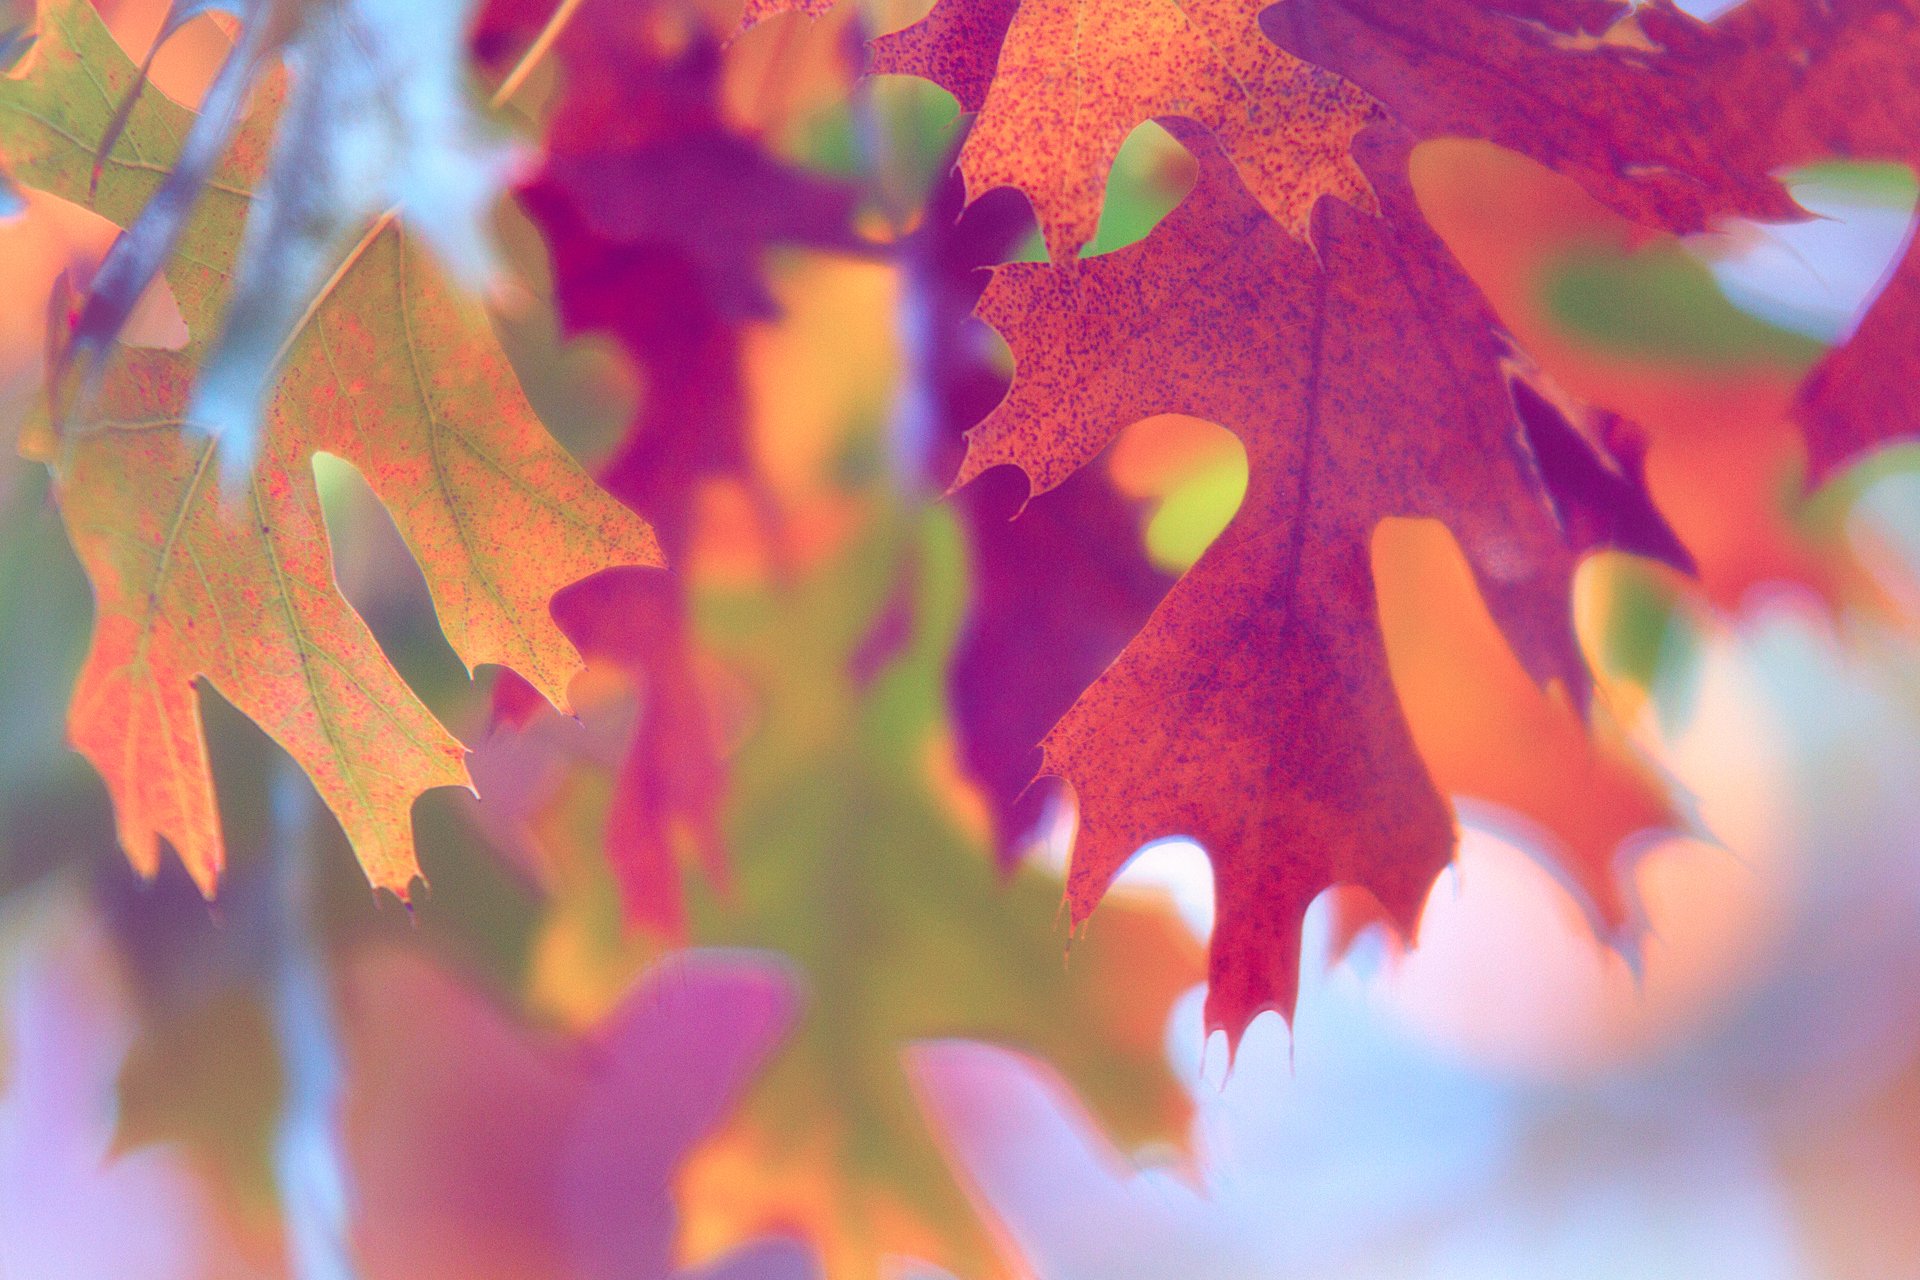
(1255,712)
(1647,129)
(395,372)
(239,592)
(1673,122)
(1072,78)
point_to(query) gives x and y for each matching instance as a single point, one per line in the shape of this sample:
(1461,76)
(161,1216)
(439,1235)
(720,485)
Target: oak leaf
(1070,79)
(376,118)
(1513,757)
(1673,122)
(1255,713)
(842,808)
(1707,425)
(393,372)
(1650,131)
(925,934)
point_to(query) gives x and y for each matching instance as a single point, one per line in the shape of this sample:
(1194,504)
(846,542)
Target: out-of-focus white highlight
(1817,277)
(1180,870)
(1706,10)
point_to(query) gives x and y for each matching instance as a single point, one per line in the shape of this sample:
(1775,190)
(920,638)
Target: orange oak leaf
(1070,79)
(1256,712)
(392,371)
(242,594)
(1574,794)
(957,46)
(1673,122)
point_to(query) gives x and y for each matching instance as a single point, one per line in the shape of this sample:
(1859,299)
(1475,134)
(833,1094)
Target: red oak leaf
(1255,712)
(1647,131)
(1058,590)
(1866,392)
(956,46)
(1673,122)
(1059,84)
(1718,442)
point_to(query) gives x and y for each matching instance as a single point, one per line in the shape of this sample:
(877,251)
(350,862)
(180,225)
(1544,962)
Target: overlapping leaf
(1070,79)
(1368,816)
(1673,122)
(1255,712)
(392,371)
(1707,392)
(853,857)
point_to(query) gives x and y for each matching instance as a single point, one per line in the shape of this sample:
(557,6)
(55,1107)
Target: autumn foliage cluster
(1244,423)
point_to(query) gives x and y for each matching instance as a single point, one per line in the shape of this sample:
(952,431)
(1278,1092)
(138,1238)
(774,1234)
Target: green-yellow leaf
(394,372)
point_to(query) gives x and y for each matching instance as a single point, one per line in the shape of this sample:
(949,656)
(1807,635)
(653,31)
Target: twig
(308,1162)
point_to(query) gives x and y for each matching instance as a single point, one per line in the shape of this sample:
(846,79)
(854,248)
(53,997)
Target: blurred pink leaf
(482,1148)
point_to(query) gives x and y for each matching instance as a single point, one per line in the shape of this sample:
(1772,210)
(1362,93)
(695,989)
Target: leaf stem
(325,291)
(562,15)
(516,78)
